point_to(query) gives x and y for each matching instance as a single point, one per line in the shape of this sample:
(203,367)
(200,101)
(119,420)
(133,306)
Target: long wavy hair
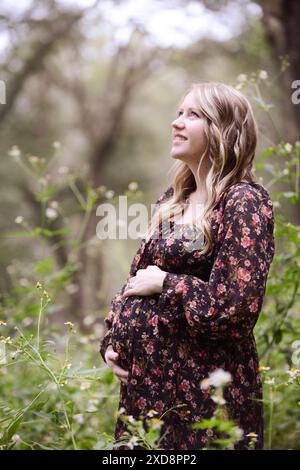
(231,138)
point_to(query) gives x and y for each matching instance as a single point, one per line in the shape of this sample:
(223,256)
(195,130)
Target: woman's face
(190,124)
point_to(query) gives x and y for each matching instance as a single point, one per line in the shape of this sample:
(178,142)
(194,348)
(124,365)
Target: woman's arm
(228,304)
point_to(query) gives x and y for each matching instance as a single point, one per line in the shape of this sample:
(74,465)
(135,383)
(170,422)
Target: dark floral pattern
(202,320)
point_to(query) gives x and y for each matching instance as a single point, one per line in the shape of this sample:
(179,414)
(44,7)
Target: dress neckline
(189,224)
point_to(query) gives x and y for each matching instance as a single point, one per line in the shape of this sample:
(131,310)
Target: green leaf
(45,265)
(12,428)
(277,336)
(266,153)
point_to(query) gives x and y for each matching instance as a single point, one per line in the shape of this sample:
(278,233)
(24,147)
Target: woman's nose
(177,122)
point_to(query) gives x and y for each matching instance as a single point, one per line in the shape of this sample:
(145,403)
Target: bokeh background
(88,93)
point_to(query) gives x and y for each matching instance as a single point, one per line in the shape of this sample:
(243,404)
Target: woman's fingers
(120,373)
(112,357)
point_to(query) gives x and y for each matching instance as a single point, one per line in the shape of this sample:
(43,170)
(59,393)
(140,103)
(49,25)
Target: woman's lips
(179,139)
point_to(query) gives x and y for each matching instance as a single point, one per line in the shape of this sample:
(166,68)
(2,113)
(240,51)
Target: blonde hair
(231,138)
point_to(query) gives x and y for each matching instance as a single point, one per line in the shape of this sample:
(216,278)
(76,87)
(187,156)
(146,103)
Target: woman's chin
(177,156)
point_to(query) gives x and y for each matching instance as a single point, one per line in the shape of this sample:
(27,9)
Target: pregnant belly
(137,318)
(122,330)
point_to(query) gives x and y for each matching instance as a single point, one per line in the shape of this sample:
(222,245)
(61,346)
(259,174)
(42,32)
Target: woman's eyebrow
(197,109)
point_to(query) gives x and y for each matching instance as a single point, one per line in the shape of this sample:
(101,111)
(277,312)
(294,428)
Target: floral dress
(202,320)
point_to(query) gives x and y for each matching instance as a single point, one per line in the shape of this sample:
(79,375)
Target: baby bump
(122,330)
(135,323)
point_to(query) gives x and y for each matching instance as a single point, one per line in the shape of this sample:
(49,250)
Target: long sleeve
(117,300)
(228,305)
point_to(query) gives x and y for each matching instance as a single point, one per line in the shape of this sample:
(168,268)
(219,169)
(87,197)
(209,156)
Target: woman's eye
(192,112)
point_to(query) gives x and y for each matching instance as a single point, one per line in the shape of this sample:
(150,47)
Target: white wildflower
(151,413)
(102,189)
(242,77)
(6,340)
(288,147)
(219,377)
(15,353)
(219,399)
(19,219)
(14,151)
(270,381)
(109,194)
(252,434)
(263,368)
(33,159)
(293,373)
(89,319)
(263,75)
(132,442)
(79,418)
(91,408)
(56,145)
(133,186)
(51,213)
(85,385)
(63,170)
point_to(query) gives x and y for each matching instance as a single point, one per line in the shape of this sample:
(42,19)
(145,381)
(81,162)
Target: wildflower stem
(39,322)
(297,183)
(54,378)
(77,194)
(270,418)
(268,112)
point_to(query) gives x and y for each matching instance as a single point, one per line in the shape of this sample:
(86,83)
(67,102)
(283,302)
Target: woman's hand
(146,282)
(111,358)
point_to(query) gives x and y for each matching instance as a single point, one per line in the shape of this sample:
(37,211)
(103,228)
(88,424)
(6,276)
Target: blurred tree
(281,19)
(101,113)
(44,35)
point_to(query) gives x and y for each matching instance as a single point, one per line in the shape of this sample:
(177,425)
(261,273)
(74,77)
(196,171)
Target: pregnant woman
(195,290)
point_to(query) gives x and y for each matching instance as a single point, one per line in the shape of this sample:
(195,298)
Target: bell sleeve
(117,300)
(228,305)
